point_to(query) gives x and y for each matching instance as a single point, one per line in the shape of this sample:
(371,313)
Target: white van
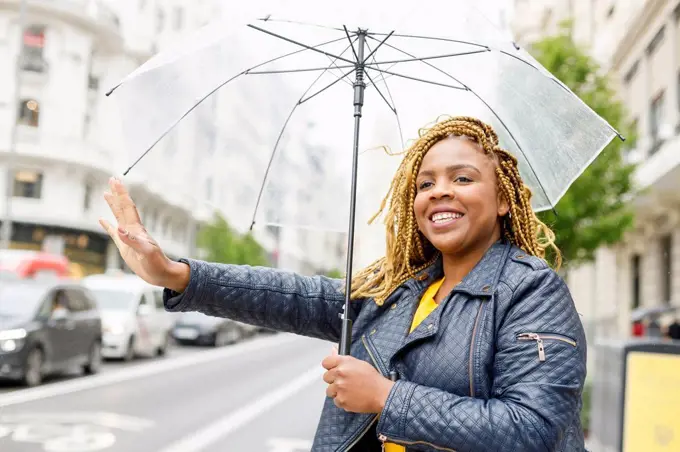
(134,321)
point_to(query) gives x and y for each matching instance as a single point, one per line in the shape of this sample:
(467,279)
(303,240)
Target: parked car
(134,320)
(47,327)
(199,329)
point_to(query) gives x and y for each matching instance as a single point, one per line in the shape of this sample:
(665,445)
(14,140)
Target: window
(28,184)
(87,198)
(178,18)
(160,20)
(635,267)
(656,118)
(77,302)
(666,255)
(33,45)
(29,113)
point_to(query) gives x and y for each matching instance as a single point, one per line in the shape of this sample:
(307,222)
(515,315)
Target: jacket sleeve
(265,297)
(533,401)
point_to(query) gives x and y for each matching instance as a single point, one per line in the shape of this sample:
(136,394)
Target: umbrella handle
(345,336)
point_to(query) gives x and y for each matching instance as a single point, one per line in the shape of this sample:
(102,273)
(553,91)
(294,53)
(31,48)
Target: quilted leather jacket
(498,366)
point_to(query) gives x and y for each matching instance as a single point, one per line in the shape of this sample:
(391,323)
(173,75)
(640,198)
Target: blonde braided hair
(408,251)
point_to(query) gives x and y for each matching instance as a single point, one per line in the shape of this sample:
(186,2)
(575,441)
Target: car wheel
(130,351)
(94,360)
(163,349)
(33,374)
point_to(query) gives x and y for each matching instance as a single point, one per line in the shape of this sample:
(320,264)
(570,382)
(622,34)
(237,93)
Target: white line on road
(140,371)
(201,439)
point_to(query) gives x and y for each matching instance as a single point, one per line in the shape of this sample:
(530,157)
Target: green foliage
(594,211)
(227,246)
(585,409)
(335,274)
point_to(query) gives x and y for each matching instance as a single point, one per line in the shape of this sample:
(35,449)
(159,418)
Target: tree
(594,211)
(225,245)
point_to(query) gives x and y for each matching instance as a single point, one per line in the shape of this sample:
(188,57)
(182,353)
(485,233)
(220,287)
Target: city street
(263,394)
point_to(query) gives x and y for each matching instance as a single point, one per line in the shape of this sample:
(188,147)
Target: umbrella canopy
(289,66)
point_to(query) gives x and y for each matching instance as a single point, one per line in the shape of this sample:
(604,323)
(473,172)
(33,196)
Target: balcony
(661,170)
(34,143)
(90,13)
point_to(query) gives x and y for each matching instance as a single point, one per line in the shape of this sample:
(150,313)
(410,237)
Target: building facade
(637,43)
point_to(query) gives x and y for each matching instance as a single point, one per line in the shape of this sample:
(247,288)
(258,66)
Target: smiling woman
(464,337)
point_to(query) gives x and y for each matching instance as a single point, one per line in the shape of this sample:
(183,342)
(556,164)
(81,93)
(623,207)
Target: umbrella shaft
(359,88)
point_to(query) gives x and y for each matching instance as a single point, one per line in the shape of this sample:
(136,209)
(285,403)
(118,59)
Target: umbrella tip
(252,225)
(515,45)
(621,137)
(127,171)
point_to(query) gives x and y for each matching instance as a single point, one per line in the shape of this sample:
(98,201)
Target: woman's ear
(503,205)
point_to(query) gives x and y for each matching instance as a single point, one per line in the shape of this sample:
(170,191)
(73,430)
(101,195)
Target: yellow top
(425,308)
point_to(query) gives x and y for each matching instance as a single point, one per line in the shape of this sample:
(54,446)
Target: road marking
(69,432)
(205,437)
(289,445)
(140,371)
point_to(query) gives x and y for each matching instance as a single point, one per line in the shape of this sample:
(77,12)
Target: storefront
(86,250)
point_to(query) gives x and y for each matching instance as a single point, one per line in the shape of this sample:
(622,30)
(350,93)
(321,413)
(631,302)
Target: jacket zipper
(375,418)
(539,341)
(383,439)
(472,351)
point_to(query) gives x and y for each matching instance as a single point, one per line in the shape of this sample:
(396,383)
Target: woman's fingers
(127,207)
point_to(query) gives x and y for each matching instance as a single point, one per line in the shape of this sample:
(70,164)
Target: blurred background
(69,307)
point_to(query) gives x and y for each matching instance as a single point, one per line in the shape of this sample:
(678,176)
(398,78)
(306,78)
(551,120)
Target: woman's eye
(424,185)
(463,179)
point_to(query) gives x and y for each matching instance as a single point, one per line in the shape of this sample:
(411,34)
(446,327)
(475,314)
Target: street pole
(6,232)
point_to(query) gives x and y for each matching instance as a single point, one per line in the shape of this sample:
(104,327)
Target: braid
(408,251)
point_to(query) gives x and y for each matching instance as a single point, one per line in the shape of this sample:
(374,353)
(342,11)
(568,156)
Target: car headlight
(116,330)
(11,345)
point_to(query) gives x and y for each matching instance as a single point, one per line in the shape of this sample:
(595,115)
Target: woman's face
(458,204)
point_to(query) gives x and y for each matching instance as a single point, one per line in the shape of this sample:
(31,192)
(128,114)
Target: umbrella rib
(431,38)
(431,82)
(389,93)
(292,41)
(433,57)
(354,51)
(377,47)
(311,96)
(538,179)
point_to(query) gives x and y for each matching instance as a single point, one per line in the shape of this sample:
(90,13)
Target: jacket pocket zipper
(539,338)
(383,439)
(376,363)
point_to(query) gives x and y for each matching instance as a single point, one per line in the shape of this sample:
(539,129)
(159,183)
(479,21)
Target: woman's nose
(442,190)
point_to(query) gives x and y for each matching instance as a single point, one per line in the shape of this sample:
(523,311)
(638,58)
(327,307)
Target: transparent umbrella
(364,74)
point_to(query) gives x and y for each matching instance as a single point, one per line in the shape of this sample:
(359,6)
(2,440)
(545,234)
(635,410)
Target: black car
(47,327)
(200,329)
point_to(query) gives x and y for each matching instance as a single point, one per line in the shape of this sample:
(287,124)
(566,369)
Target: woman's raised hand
(137,248)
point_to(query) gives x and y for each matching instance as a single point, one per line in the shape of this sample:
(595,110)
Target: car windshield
(19,300)
(113,300)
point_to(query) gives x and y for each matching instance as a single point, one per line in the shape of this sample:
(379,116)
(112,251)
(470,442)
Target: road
(264,394)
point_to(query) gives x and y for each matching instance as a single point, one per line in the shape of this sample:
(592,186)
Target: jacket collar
(482,279)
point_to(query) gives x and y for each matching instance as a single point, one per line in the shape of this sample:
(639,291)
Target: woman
(464,338)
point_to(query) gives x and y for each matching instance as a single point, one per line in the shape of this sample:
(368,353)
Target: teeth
(445,216)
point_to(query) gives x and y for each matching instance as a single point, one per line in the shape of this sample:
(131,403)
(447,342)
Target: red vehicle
(26,264)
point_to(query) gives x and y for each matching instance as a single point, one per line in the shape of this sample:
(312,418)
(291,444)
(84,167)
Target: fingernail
(122,231)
